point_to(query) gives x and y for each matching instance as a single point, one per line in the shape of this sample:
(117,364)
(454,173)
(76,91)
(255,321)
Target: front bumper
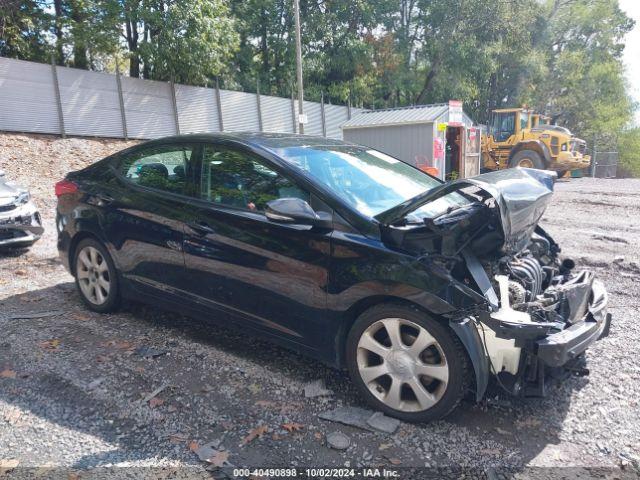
(560,348)
(571,161)
(21,226)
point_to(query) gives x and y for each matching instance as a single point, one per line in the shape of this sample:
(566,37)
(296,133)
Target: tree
(629,152)
(23,29)
(189,41)
(584,87)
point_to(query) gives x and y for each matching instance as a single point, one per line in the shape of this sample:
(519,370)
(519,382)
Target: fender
(535,145)
(88,221)
(468,335)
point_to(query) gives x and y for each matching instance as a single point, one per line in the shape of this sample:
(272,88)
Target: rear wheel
(96,277)
(527,159)
(406,364)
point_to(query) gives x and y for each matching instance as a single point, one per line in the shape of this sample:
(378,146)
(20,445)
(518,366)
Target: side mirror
(297,212)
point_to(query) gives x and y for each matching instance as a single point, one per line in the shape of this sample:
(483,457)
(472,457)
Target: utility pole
(296,9)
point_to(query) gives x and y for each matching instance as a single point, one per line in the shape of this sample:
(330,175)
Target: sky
(632,51)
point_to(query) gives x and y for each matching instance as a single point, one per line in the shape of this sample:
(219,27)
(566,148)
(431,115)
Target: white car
(20,223)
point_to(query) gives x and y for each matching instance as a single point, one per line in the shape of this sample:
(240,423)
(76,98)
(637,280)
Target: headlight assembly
(23,198)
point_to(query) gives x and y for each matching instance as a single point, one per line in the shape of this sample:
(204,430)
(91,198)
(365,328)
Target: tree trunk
(132,42)
(428,81)
(57,6)
(146,68)
(78,16)
(264,46)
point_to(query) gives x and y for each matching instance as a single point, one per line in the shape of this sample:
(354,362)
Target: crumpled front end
(20,224)
(529,315)
(548,315)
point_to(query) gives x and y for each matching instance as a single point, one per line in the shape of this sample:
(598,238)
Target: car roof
(269,141)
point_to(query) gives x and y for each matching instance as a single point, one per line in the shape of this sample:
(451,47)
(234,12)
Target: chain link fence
(604,164)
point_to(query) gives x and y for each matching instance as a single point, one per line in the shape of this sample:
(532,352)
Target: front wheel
(406,364)
(96,277)
(527,159)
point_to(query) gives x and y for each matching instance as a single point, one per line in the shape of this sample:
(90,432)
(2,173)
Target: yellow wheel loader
(518,137)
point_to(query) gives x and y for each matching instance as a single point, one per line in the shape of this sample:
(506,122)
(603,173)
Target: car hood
(521,194)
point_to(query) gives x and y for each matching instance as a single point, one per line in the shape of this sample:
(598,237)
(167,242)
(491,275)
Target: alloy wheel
(402,365)
(92,271)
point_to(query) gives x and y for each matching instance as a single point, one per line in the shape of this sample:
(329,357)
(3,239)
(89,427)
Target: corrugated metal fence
(41,98)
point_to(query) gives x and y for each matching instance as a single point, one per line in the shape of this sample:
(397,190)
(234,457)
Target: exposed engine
(542,286)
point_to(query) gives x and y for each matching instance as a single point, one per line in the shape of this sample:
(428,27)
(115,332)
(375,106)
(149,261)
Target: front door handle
(201,228)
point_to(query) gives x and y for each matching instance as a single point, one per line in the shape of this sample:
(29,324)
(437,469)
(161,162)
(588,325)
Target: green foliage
(189,41)
(629,151)
(23,28)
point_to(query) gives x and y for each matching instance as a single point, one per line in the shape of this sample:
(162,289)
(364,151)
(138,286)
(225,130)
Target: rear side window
(164,167)
(238,179)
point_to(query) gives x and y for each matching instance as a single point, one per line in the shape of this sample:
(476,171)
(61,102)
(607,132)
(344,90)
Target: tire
(95,272)
(446,359)
(527,159)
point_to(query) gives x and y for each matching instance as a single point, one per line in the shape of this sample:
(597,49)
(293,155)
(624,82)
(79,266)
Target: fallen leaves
(123,345)
(219,459)
(255,433)
(395,461)
(50,345)
(20,273)
(292,427)
(7,373)
(209,453)
(156,402)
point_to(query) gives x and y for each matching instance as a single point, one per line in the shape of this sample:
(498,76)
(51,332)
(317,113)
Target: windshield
(369,181)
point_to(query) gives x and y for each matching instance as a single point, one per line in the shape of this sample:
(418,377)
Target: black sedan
(423,290)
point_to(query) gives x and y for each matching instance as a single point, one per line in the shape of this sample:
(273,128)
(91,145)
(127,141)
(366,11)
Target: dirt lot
(76,387)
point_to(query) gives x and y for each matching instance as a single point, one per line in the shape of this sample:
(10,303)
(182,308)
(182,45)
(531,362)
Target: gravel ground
(76,391)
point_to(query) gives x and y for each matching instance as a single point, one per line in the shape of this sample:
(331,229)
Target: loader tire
(527,159)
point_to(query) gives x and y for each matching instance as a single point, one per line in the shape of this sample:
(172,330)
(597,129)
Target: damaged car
(20,223)
(424,291)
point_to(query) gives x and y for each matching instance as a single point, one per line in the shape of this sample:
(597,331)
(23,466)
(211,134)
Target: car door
(271,276)
(147,207)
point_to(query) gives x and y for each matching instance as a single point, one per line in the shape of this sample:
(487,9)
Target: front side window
(163,168)
(239,179)
(369,181)
(503,126)
(524,119)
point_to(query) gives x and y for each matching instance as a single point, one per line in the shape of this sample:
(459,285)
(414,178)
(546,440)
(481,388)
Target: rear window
(160,167)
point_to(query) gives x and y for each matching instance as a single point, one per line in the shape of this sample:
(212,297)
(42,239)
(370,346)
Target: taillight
(64,187)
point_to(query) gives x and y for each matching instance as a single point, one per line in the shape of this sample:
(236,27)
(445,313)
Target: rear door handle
(201,228)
